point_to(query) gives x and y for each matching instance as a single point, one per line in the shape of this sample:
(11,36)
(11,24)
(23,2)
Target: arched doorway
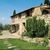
(14,28)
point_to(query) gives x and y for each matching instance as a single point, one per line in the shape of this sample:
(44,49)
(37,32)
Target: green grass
(22,45)
(2,45)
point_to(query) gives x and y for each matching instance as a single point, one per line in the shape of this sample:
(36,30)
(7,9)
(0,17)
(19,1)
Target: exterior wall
(15,20)
(46,17)
(36,12)
(23,15)
(20,21)
(21,28)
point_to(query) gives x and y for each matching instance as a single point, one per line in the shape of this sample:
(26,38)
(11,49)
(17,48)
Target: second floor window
(19,16)
(28,13)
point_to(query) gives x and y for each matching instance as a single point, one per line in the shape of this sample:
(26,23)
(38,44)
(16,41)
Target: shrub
(36,28)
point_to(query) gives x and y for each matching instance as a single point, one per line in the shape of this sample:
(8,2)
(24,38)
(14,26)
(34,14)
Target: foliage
(36,28)
(47,2)
(1,28)
(28,24)
(6,27)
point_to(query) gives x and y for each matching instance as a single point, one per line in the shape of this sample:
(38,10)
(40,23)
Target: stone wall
(37,12)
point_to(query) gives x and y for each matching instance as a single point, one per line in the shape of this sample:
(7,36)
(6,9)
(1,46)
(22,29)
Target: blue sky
(7,7)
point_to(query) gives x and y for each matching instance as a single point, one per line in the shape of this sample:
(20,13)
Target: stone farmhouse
(18,21)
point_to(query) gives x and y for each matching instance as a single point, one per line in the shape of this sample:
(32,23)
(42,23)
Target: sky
(8,6)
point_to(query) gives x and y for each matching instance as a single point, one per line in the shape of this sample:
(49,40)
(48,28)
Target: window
(24,24)
(29,13)
(19,15)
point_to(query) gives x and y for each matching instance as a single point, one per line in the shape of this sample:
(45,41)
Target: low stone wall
(39,41)
(33,40)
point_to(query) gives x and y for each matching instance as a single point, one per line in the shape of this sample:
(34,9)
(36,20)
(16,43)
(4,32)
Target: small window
(29,13)
(19,15)
(24,24)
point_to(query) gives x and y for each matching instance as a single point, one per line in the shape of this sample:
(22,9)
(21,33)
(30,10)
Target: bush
(36,28)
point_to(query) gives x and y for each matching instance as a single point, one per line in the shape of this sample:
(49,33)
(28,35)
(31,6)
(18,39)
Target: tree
(36,28)
(1,28)
(46,2)
(6,27)
(41,4)
(14,12)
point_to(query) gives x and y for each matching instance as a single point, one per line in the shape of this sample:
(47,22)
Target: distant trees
(1,27)
(6,27)
(36,28)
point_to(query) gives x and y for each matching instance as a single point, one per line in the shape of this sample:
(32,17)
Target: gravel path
(7,34)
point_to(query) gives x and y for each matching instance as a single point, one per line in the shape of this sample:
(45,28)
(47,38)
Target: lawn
(21,45)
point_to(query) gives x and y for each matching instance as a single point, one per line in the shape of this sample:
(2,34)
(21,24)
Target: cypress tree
(14,12)
(41,4)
